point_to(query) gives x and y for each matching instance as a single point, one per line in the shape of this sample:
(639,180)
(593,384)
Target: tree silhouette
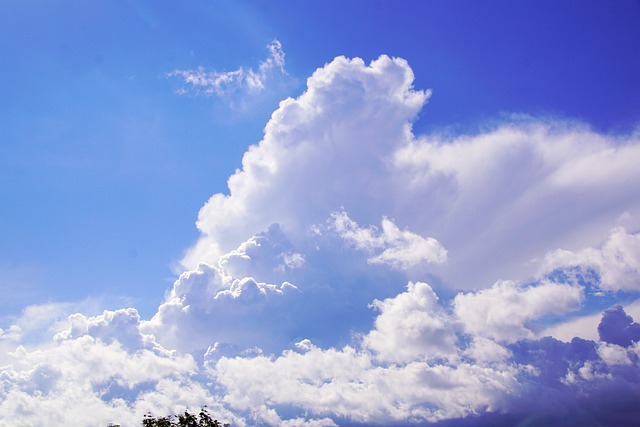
(203,419)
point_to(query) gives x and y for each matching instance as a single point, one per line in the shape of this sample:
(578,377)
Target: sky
(320,213)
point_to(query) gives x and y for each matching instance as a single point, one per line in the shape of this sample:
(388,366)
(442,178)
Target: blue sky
(486,160)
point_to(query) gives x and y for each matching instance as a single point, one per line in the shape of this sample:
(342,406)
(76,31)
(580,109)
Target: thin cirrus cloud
(293,310)
(218,83)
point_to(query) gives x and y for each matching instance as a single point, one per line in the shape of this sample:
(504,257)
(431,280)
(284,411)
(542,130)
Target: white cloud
(613,354)
(502,198)
(37,324)
(496,200)
(122,326)
(412,326)
(327,149)
(98,370)
(225,304)
(220,82)
(400,249)
(291,260)
(265,256)
(503,311)
(485,351)
(86,381)
(246,315)
(617,261)
(346,383)
(259,284)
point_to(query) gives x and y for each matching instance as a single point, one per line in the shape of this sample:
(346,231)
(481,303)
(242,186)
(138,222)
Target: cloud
(503,311)
(221,82)
(618,328)
(294,309)
(502,198)
(206,307)
(617,261)
(263,255)
(543,379)
(95,373)
(400,249)
(497,200)
(585,327)
(325,150)
(346,383)
(434,376)
(121,326)
(343,154)
(412,326)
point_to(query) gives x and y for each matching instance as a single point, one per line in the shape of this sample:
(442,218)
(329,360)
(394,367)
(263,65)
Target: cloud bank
(297,308)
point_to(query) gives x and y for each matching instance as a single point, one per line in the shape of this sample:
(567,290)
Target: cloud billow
(295,308)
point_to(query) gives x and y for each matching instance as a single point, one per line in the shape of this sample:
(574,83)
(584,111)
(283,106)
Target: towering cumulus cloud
(356,272)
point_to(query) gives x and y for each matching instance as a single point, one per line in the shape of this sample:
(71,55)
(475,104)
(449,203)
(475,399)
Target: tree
(203,419)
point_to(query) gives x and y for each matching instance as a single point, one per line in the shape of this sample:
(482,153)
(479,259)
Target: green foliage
(203,419)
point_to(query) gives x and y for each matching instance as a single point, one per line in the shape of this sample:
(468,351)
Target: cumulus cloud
(618,328)
(496,200)
(503,311)
(418,363)
(348,384)
(543,378)
(327,149)
(400,249)
(95,373)
(206,307)
(293,309)
(221,82)
(263,255)
(617,261)
(412,326)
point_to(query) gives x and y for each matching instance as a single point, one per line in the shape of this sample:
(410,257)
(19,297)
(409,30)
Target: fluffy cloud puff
(503,311)
(554,382)
(412,326)
(246,314)
(345,383)
(409,366)
(400,249)
(617,261)
(351,114)
(96,372)
(618,328)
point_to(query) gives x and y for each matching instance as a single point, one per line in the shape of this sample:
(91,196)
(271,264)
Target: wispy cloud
(203,82)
